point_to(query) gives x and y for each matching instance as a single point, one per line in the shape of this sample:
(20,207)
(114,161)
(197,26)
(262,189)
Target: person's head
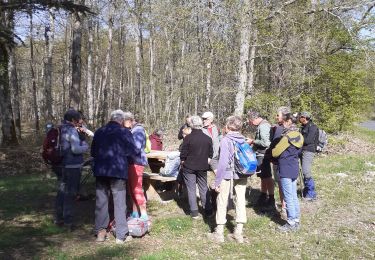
(118,116)
(73,116)
(254,118)
(186,131)
(196,122)
(158,132)
(282,114)
(233,123)
(291,119)
(188,119)
(304,117)
(207,118)
(128,119)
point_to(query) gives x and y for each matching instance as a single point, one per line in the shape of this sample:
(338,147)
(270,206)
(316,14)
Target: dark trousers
(67,187)
(192,178)
(105,185)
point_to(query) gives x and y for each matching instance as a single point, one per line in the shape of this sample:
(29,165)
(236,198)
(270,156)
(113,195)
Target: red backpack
(51,147)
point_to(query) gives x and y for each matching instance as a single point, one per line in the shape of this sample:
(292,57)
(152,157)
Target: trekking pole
(301,184)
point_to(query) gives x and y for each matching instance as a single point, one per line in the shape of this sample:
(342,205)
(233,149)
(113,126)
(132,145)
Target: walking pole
(301,183)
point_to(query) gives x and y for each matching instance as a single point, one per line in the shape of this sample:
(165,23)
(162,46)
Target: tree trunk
(49,38)
(106,71)
(75,90)
(244,57)
(251,71)
(90,90)
(152,61)
(33,80)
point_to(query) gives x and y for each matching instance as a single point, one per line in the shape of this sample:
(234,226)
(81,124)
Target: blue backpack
(245,161)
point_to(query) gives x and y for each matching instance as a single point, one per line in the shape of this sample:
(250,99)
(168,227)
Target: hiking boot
(121,242)
(308,199)
(287,227)
(59,223)
(238,237)
(101,236)
(271,203)
(216,237)
(196,217)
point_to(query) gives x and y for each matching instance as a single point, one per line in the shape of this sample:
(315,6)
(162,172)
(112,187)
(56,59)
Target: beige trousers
(239,187)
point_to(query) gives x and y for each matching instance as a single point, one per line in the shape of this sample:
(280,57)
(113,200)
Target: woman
(136,167)
(196,153)
(227,180)
(287,152)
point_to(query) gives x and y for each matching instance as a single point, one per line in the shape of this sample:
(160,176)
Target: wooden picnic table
(151,180)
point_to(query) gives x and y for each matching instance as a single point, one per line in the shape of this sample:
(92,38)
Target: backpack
(322,141)
(51,152)
(245,161)
(137,227)
(148,143)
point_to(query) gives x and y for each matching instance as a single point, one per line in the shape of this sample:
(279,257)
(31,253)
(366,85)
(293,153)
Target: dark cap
(72,114)
(305,114)
(253,115)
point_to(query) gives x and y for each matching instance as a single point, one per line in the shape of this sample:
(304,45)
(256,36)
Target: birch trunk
(244,57)
(90,90)
(251,71)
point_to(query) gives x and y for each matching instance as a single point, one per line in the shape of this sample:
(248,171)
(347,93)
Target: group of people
(283,146)
(119,158)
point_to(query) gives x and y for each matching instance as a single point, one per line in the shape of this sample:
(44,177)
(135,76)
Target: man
(210,129)
(310,134)
(72,148)
(111,148)
(260,144)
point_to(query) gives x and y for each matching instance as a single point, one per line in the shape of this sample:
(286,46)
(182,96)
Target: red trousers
(135,177)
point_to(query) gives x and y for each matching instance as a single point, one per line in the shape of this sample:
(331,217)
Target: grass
(340,225)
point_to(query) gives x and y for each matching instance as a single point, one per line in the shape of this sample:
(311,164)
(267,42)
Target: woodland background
(163,59)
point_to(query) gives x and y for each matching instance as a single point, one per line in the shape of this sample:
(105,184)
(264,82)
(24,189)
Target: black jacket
(310,134)
(195,151)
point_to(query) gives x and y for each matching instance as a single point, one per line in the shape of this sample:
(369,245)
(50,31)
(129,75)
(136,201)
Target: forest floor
(339,225)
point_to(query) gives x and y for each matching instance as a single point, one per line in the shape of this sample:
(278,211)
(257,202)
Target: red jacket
(156,142)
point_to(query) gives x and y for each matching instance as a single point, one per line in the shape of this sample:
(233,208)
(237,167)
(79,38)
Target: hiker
(157,140)
(72,149)
(186,124)
(210,129)
(136,168)
(111,147)
(228,182)
(310,134)
(282,114)
(287,153)
(260,144)
(196,153)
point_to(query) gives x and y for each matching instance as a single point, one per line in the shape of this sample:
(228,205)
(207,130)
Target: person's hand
(217,189)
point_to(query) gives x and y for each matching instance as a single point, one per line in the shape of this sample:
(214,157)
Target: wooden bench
(150,182)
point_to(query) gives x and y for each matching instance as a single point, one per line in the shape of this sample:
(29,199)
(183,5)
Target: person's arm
(93,145)
(180,136)
(133,148)
(280,147)
(264,132)
(224,160)
(184,149)
(76,145)
(311,135)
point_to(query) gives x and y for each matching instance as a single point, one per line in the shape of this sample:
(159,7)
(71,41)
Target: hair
(118,116)
(234,123)
(71,115)
(196,122)
(253,115)
(285,112)
(158,132)
(128,116)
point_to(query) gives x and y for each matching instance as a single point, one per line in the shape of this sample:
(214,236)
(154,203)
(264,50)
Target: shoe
(59,223)
(121,242)
(216,237)
(308,199)
(238,237)
(196,217)
(271,203)
(287,227)
(101,236)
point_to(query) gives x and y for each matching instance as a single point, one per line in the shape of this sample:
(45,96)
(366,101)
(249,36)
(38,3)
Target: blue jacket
(139,136)
(71,146)
(111,148)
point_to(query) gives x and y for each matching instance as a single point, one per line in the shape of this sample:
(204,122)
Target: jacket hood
(236,136)
(295,138)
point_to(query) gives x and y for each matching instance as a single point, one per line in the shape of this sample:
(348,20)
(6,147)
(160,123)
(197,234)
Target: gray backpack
(322,141)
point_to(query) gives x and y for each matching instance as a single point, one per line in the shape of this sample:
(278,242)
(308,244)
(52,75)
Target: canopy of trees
(163,59)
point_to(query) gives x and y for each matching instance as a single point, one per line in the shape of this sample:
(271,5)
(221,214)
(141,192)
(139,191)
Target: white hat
(208,115)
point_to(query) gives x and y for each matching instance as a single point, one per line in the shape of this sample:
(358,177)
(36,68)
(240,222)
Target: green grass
(340,225)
